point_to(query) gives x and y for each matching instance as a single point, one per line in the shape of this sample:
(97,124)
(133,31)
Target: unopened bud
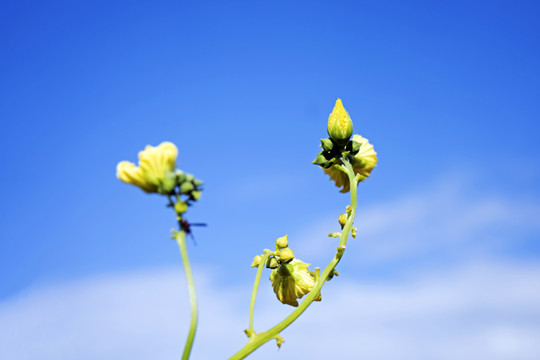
(272,263)
(342,220)
(340,126)
(196,195)
(327,144)
(285,255)
(186,187)
(180,207)
(279,341)
(282,242)
(256,261)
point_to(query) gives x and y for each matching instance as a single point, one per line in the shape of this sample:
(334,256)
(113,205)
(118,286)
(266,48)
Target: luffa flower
(292,281)
(363,163)
(156,170)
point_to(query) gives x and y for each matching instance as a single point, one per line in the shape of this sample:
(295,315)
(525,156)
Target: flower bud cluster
(356,149)
(157,173)
(291,279)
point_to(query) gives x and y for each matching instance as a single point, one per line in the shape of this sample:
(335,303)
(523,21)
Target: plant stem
(180,237)
(259,339)
(254,292)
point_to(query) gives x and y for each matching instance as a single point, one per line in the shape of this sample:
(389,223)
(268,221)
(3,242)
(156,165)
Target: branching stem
(257,340)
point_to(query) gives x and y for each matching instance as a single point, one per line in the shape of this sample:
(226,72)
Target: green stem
(254,292)
(181,240)
(258,340)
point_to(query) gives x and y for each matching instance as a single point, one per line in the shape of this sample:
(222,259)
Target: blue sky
(446,91)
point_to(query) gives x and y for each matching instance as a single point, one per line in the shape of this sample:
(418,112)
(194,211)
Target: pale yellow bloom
(292,281)
(340,126)
(155,171)
(157,162)
(364,162)
(129,173)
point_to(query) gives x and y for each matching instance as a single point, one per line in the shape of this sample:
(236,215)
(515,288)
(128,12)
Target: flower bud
(340,126)
(285,255)
(256,261)
(272,263)
(180,207)
(327,144)
(282,242)
(279,340)
(195,195)
(186,187)
(342,220)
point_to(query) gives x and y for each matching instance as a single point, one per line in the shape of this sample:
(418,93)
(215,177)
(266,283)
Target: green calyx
(186,189)
(333,151)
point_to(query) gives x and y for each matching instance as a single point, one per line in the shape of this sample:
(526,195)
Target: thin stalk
(180,237)
(254,292)
(258,340)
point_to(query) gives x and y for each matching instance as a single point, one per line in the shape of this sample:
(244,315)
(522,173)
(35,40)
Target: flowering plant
(348,159)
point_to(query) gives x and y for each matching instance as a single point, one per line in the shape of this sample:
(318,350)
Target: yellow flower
(157,162)
(129,173)
(155,171)
(340,126)
(364,162)
(292,281)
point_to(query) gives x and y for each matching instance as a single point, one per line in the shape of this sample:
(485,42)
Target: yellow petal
(156,162)
(366,158)
(339,177)
(293,283)
(131,174)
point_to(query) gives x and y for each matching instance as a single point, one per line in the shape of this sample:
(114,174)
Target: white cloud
(472,309)
(478,311)
(442,220)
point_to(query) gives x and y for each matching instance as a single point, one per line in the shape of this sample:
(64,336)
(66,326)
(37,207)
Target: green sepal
(180,176)
(321,160)
(271,263)
(355,148)
(167,184)
(327,144)
(186,187)
(190,178)
(195,195)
